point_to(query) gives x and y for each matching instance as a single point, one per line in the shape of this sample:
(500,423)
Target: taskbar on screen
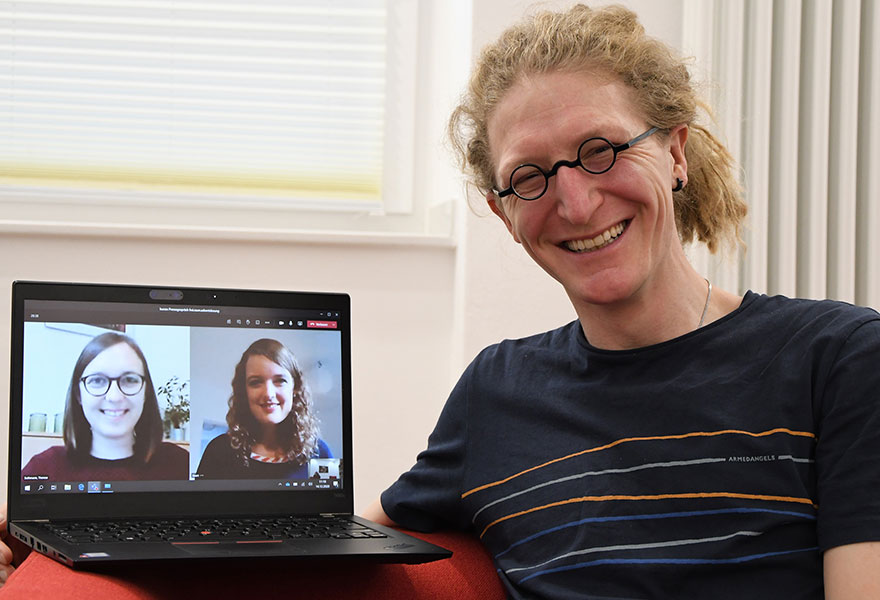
(43,486)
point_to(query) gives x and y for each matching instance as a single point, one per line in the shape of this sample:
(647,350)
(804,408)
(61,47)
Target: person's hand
(6,556)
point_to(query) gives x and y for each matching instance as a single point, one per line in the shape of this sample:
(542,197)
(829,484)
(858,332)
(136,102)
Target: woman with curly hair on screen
(273,431)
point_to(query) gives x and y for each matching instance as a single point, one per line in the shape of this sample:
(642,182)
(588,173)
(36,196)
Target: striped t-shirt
(718,464)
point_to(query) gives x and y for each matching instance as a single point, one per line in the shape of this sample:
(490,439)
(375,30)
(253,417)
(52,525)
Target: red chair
(469,574)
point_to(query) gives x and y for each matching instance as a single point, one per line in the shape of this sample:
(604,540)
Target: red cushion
(468,574)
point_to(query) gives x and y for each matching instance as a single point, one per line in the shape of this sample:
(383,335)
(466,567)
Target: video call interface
(146,397)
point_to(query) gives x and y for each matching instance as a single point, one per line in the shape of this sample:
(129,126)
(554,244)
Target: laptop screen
(183,390)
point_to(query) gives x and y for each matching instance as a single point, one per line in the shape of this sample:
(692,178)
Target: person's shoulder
(507,357)
(322,450)
(49,455)
(798,313)
(172,450)
(802,326)
(219,444)
(556,339)
(46,461)
(54,452)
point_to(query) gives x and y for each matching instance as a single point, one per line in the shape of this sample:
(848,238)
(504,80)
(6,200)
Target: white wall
(420,312)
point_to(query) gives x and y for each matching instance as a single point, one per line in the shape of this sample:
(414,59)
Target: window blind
(279,101)
(801,81)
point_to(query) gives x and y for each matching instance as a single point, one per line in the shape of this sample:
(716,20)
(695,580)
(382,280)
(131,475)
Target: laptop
(151,423)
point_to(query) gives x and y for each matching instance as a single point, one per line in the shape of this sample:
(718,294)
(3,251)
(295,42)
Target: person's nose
(577,194)
(114,394)
(269,390)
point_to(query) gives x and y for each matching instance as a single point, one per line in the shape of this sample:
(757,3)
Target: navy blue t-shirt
(718,464)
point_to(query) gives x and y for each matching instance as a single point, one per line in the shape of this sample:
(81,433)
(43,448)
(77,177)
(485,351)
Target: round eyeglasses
(98,384)
(596,155)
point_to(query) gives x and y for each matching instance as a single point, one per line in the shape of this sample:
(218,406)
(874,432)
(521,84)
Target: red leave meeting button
(322,324)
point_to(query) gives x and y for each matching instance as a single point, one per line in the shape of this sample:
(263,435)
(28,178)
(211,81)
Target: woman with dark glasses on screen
(112,425)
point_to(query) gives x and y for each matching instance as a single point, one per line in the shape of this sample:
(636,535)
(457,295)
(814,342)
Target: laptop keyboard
(213,530)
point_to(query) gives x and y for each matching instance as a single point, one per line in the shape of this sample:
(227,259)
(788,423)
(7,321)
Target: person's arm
(847,451)
(852,572)
(428,496)
(6,567)
(376,513)
(6,556)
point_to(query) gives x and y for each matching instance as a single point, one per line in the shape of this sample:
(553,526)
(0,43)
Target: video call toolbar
(194,315)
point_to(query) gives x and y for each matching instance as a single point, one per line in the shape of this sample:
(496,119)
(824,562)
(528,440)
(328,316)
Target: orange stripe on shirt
(650,497)
(640,439)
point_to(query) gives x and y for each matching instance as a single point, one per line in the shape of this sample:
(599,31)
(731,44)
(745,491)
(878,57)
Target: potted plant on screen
(175,393)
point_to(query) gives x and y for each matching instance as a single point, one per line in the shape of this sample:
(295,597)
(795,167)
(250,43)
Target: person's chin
(601,289)
(270,419)
(116,434)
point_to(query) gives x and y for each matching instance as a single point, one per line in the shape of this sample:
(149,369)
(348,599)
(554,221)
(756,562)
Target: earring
(679,184)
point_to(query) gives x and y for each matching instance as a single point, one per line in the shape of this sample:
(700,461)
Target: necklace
(706,306)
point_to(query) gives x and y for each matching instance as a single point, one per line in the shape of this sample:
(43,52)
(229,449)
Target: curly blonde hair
(611,40)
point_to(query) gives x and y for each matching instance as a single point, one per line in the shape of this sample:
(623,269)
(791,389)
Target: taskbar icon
(89,487)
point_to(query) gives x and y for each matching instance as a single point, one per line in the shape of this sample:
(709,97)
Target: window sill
(38,212)
(223,233)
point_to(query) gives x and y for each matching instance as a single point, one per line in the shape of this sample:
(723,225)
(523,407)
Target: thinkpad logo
(401,546)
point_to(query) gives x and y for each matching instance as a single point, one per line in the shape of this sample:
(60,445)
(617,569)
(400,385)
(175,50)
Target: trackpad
(255,548)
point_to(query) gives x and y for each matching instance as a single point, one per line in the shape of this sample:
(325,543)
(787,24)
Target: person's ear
(498,208)
(677,142)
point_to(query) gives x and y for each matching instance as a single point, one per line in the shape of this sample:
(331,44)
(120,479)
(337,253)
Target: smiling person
(273,431)
(112,425)
(676,440)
